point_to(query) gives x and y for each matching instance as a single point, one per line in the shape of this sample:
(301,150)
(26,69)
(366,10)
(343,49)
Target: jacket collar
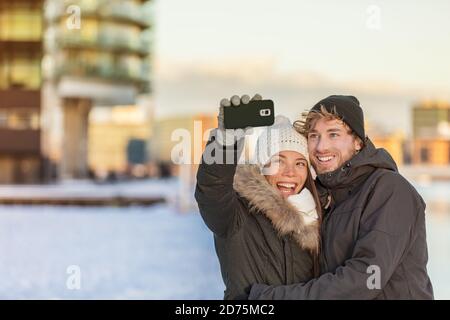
(250,184)
(341,182)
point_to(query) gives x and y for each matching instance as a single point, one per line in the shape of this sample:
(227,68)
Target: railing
(105,43)
(103,36)
(107,71)
(120,11)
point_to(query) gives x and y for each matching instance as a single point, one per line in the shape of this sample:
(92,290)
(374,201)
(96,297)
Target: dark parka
(259,237)
(374,224)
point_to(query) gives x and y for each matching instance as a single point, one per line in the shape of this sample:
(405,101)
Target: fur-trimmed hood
(263,198)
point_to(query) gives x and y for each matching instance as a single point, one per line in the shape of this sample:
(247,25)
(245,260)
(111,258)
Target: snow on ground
(84,189)
(144,252)
(438,239)
(123,253)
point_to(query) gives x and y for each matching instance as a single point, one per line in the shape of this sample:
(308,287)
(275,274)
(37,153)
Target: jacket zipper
(324,230)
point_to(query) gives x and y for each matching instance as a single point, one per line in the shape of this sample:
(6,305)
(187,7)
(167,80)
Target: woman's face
(288,172)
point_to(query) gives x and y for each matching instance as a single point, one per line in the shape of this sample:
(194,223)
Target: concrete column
(74,164)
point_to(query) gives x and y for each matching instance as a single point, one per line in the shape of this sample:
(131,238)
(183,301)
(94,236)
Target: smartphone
(257,113)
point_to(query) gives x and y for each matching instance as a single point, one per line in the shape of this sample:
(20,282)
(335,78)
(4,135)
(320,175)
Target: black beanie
(348,108)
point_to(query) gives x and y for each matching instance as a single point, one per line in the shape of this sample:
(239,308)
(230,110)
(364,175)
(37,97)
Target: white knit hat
(281,136)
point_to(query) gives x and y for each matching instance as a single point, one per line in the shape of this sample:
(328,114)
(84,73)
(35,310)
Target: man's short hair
(309,119)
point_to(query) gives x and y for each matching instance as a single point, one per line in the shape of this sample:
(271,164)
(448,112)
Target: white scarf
(305,204)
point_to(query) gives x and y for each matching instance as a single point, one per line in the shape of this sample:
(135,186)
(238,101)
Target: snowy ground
(143,253)
(85,189)
(132,253)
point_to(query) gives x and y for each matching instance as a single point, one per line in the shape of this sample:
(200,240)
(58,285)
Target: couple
(356,231)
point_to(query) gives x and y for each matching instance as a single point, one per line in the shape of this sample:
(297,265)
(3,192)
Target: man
(373,230)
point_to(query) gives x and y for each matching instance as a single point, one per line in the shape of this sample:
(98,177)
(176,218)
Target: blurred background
(96,96)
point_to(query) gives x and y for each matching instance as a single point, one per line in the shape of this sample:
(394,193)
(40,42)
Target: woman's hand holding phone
(230,136)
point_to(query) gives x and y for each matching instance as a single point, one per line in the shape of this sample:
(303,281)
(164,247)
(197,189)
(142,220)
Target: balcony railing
(105,43)
(105,71)
(122,11)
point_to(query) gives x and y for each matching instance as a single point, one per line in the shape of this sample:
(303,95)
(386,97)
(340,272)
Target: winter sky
(390,54)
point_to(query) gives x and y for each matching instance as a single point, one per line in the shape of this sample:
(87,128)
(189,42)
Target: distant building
(20,82)
(169,133)
(394,144)
(431,130)
(97,53)
(118,140)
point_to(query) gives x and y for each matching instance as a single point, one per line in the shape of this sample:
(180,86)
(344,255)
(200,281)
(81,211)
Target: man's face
(290,170)
(330,145)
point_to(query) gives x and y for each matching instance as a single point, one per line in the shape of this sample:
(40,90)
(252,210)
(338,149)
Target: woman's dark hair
(310,185)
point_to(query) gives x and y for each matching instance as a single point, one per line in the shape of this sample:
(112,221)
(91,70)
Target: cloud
(189,87)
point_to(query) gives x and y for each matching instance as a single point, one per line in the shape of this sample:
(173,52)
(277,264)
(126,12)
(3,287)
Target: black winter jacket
(374,225)
(259,237)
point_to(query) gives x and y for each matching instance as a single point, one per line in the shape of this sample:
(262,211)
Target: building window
(448,148)
(3,119)
(20,21)
(424,155)
(19,119)
(21,70)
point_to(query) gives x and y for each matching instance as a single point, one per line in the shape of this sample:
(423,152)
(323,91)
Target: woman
(265,217)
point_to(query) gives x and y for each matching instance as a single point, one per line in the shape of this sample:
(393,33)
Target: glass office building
(58,58)
(111,40)
(96,52)
(20,81)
